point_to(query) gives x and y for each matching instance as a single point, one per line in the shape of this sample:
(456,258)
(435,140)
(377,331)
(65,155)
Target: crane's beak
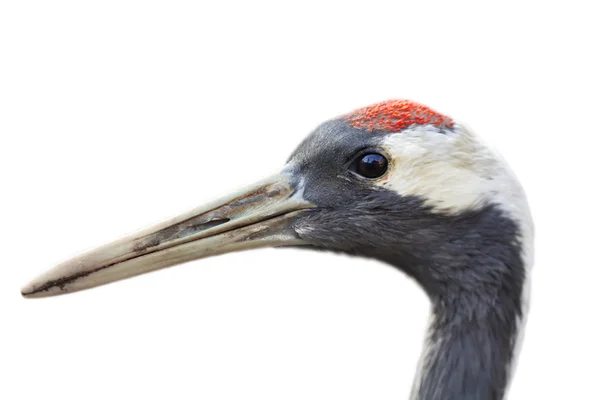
(258,216)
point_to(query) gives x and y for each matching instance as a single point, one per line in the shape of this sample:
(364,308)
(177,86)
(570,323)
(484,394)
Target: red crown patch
(396,115)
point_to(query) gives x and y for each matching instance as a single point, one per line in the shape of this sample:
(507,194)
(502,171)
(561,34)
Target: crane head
(396,181)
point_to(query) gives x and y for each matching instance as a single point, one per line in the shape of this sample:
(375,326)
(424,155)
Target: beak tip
(26,292)
(31,290)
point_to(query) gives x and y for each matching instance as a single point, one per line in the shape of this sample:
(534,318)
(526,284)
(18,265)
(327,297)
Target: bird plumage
(448,212)
(438,204)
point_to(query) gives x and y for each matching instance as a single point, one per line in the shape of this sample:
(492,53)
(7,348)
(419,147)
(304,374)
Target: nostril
(195,228)
(177,232)
(214,222)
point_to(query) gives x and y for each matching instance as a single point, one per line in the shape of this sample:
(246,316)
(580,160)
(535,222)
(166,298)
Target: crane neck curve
(476,291)
(468,352)
(472,265)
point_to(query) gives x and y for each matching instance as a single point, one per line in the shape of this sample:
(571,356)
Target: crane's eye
(371,165)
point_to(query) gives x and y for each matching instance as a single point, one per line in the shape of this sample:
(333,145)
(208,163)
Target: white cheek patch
(451,171)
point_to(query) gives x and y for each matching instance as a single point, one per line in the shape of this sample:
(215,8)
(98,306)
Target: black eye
(372,165)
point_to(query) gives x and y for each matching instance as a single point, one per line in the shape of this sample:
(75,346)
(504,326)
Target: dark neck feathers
(474,276)
(472,269)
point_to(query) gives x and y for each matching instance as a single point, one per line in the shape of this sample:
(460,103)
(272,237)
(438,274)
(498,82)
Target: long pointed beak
(258,216)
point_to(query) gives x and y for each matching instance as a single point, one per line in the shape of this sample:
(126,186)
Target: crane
(395,181)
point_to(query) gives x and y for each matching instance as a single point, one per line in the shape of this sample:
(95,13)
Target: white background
(117,114)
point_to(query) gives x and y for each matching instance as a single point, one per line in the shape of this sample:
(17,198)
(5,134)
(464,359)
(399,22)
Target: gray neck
(475,283)
(468,352)
(470,265)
